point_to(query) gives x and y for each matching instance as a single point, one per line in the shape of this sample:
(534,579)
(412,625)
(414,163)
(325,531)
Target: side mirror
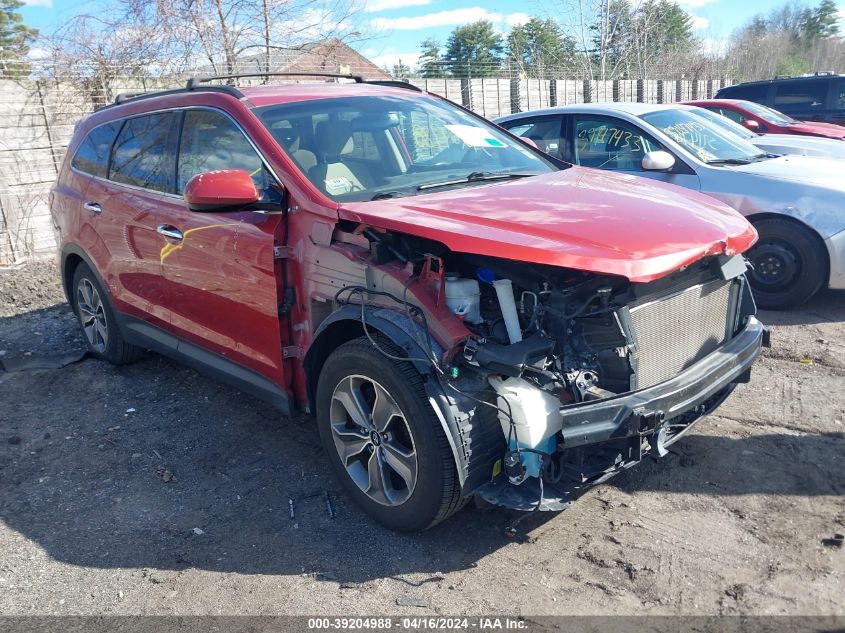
(224,190)
(658,161)
(751,124)
(529,141)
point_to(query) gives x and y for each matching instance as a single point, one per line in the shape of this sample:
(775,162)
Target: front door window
(610,144)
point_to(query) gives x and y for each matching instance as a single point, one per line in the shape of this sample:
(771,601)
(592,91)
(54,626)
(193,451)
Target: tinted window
(544,132)
(801,95)
(92,157)
(839,95)
(733,115)
(143,154)
(211,141)
(750,92)
(610,144)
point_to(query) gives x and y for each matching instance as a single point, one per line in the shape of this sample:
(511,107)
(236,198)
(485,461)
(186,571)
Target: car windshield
(708,142)
(767,114)
(725,123)
(370,147)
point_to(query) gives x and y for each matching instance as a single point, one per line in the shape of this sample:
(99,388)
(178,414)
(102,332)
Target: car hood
(809,170)
(578,218)
(801,145)
(819,129)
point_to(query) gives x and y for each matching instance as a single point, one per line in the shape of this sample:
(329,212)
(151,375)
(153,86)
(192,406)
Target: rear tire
(96,318)
(788,264)
(383,439)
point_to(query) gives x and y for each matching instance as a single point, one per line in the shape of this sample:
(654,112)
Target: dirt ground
(151,489)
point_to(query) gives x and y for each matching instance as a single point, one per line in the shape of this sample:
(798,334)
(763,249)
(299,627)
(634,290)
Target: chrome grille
(674,332)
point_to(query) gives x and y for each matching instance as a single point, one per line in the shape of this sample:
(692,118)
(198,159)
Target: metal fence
(37,119)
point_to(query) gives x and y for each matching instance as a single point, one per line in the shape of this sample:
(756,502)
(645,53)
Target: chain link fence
(37,119)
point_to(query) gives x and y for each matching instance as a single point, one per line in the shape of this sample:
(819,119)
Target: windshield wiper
(387,194)
(476,176)
(730,161)
(740,161)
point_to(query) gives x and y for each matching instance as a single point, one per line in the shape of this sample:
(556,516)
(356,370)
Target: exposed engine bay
(542,344)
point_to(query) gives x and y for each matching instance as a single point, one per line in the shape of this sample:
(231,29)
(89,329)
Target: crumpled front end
(586,378)
(545,379)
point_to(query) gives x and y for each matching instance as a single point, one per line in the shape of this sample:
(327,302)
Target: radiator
(675,331)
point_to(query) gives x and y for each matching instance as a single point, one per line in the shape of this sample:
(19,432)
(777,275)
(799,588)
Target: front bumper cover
(836,251)
(650,414)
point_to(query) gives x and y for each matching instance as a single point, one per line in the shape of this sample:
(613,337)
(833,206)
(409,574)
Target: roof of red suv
(254,96)
(287,93)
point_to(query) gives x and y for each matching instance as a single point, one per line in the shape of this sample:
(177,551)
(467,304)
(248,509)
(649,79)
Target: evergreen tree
(15,38)
(539,48)
(474,50)
(430,63)
(400,71)
(821,22)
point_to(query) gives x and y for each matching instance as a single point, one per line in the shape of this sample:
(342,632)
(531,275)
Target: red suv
(463,314)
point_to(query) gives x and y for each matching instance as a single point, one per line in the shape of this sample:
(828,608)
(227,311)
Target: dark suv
(818,97)
(463,314)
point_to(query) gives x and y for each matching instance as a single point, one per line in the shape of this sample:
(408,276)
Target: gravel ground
(149,489)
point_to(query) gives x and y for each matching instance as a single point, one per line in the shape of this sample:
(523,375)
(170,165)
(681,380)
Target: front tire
(383,439)
(96,318)
(788,264)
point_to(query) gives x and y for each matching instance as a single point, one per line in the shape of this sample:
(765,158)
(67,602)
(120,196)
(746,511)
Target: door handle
(93,207)
(169,231)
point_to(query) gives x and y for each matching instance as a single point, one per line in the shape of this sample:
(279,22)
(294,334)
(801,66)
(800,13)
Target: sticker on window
(338,185)
(475,136)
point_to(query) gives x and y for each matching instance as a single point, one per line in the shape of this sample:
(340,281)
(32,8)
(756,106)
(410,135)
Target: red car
(463,314)
(764,120)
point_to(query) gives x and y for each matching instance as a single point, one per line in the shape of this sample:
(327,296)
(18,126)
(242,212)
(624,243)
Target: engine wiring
(410,311)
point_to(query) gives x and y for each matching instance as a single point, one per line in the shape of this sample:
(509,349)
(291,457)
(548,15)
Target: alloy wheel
(373,440)
(92,315)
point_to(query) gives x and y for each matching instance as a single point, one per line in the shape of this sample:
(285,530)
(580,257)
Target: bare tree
(92,51)
(222,32)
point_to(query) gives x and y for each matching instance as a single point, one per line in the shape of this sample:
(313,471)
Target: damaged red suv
(463,314)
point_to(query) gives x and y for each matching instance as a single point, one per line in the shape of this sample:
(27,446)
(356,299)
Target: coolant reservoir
(463,297)
(536,417)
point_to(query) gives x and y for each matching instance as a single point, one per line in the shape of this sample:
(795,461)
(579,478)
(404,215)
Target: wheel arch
(345,324)
(72,256)
(765,215)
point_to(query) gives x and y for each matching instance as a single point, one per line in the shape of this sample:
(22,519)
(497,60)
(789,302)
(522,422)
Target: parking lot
(151,489)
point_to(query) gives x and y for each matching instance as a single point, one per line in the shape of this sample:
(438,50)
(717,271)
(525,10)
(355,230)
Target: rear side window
(749,92)
(801,95)
(733,115)
(92,157)
(545,132)
(839,95)
(210,141)
(143,153)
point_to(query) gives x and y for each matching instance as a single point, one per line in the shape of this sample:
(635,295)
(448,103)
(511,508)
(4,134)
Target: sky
(395,28)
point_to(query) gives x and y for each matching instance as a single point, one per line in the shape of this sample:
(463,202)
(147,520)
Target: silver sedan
(797,203)
(780,143)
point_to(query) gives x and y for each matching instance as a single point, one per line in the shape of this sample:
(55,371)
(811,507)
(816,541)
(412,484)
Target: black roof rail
(125,97)
(393,83)
(194,82)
